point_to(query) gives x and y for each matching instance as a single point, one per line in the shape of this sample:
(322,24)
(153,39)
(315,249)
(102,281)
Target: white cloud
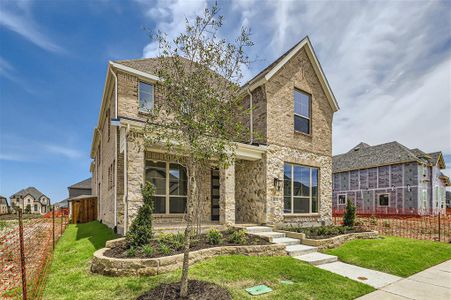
(63,151)
(388,62)
(17,17)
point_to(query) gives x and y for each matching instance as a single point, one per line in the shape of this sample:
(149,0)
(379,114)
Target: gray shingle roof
(84,184)
(3,200)
(372,156)
(29,190)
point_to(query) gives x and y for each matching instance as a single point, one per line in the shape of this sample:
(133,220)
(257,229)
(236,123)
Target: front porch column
(227,195)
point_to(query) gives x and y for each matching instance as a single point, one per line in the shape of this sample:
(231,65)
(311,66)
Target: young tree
(28,209)
(198,118)
(349,215)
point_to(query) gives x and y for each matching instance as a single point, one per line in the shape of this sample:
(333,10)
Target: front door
(215,185)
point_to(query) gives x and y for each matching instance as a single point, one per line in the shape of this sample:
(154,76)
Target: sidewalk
(433,283)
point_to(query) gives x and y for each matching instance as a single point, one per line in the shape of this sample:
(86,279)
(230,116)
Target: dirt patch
(197,243)
(197,290)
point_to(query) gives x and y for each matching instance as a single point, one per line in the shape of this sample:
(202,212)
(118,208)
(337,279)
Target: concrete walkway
(433,283)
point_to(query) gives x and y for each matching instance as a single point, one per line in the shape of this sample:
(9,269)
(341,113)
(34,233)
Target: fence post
(53,225)
(61,232)
(22,257)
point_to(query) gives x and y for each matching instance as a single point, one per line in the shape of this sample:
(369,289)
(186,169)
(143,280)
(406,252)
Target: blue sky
(388,64)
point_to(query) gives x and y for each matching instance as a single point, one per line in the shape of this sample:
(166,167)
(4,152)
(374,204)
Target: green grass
(394,255)
(70,277)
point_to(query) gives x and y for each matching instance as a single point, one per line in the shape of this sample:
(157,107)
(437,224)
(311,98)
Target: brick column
(227,195)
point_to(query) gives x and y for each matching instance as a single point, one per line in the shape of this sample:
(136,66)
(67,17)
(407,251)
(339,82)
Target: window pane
(156,173)
(314,182)
(287,180)
(383,200)
(301,205)
(301,181)
(287,204)
(145,96)
(314,204)
(160,205)
(297,102)
(177,205)
(305,105)
(301,124)
(177,180)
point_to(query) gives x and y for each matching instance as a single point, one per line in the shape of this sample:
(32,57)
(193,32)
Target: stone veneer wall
(250,191)
(276,157)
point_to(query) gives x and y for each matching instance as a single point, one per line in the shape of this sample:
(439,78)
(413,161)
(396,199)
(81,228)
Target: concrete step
(317,258)
(270,235)
(254,229)
(286,241)
(297,250)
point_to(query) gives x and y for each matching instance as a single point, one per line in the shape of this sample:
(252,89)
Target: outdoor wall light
(392,188)
(277,182)
(408,188)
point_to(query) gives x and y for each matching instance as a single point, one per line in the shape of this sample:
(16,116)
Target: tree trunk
(192,184)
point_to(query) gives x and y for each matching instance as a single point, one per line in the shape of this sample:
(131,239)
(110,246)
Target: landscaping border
(338,240)
(104,265)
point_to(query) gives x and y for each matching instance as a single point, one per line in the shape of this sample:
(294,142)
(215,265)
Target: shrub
(238,237)
(173,241)
(373,220)
(147,250)
(140,232)
(349,216)
(28,209)
(165,249)
(214,237)
(131,252)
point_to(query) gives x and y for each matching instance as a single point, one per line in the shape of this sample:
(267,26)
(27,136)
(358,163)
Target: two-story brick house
(32,197)
(283,174)
(390,178)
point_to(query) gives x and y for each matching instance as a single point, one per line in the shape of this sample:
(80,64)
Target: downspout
(115,149)
(126,180)
(251,125)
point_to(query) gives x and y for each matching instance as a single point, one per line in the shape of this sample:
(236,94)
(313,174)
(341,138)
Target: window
(170,183)
(383,199)
(302,112)
(35,207)
(145,96)
(300,189)
(342,199)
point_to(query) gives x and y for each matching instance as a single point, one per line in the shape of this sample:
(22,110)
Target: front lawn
(394,255)
(70,277)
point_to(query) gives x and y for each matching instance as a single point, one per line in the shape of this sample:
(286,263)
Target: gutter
(126,180)
(115,149)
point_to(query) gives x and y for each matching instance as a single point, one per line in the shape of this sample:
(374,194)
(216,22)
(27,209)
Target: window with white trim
(383,199)
(302,111)
(300,189)
(146,96)
(342,198)
(170,183)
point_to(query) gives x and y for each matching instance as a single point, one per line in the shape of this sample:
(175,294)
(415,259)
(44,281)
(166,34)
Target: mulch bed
(197,290)
(315,233)
(197,243)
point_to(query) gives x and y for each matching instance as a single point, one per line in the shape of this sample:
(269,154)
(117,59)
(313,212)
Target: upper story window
(145,96)
(302,112)
(300,188)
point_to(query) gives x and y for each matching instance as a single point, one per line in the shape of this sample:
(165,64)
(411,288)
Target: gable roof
(374,156)
(3,200)
(148,66)
(84,184)
(274,67)
(34,192)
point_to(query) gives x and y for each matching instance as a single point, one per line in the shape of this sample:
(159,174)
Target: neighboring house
(283,176)
(39,203)
(80,188)
(390,178)
(4,207)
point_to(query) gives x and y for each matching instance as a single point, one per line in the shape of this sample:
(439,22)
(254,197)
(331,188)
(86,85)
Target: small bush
(238,237)
(349,216)
(358,222)
(147,250)
(131,252)
(173,241)
(165,249)
(373,220)
(214,237)
(140,232)
(386,224)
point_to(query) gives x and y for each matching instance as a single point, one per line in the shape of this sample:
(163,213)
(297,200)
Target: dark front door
(215,194)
